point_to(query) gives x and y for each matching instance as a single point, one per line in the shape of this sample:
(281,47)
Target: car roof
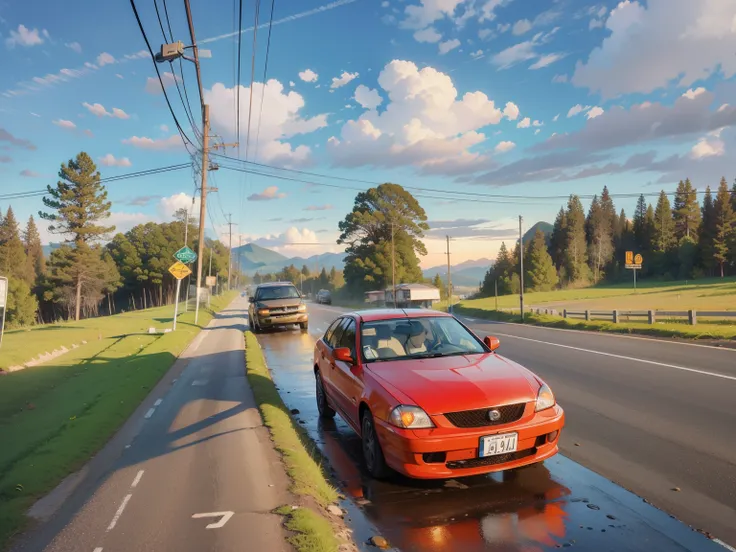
(372,315)
(274,284)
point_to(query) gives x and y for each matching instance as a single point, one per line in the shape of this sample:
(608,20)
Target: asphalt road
(650,415)
(195,447)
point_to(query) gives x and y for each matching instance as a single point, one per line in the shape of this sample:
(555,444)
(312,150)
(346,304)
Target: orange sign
(638,259)
(179,270)
(629,257)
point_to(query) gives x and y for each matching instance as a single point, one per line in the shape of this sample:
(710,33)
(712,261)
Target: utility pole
(230,252)
(495,287)
(203,196)
(521,270)
(449,278)
(393,264)
(240,245)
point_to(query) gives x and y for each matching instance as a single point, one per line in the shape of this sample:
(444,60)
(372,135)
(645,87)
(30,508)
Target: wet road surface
(555,505)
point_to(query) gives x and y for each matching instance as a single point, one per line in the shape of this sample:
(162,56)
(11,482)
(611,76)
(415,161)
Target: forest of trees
(304,279)
(82,277)
(683,240)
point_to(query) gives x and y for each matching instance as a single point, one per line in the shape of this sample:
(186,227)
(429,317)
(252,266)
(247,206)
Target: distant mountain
(465,274)
(47,249)
(254,258)
(545,227)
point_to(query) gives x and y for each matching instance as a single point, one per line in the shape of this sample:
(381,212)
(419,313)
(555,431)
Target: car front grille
(283,311)
(479,418)
(490,460)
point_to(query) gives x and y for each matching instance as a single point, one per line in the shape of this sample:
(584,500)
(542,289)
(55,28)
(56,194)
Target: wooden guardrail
(651,316)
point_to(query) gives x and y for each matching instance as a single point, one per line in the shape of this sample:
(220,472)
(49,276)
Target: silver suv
(277,304)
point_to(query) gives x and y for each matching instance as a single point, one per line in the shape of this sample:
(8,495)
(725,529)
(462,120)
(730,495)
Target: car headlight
(545,398)
(264,312)
(410,417)
(302,308)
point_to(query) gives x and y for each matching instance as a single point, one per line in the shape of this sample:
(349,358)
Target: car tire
(373,457)
(323,406)
(254,326)
(304,326)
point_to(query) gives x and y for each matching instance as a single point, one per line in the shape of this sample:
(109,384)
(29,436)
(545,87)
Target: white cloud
(343,79)
(595,24)
(270,193)
(523,51)
(649,46)
(511,111)
(167,206)
(118,75)
(171,143)
(448,46)
(427,35)
(105,59)
(554,119)
(546,60)
(559,78)
(424,125)
(537,123)
(34,114)
(576,110)
(477,54)
(692,94)
(282,118)
(524,123)
(119,113)
(140,54)
(76,46)
(89,65)
(427,12)
(384,4)
(484,33)
(153,85)
(63,123)
(164,128)
(109,160)
(537,131)
(290,243)
(488,10)
(709,146)
(24,36)
(100,111)
(521,26)
(308,75)
(503,147)
(325,207)
(369,99)
(503,27)
(30,174)
(594,112)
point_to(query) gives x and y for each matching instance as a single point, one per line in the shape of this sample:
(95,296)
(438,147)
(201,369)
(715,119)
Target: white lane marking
(119,513)
(470,319)
(149,413)
(608,334)
(98,549)
(633,359)
(225,518)
(724,545)
(158,402)
(200,382)
(137,479)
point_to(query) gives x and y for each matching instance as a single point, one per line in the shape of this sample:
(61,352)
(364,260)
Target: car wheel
(375,462)
(325,411)
(254,326)
(304,326)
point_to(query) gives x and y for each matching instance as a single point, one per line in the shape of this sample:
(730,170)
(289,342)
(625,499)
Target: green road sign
(185,255)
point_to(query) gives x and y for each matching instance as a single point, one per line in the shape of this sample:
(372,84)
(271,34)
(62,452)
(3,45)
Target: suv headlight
(410,417)
(302,308)
(545,398)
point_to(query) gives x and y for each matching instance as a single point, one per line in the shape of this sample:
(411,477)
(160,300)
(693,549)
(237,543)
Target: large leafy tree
(384,229)
(22,305)
(686,211)
(77,207)
(725,222)
(541,274)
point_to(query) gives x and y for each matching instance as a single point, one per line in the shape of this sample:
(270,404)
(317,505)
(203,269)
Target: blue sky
(532,99)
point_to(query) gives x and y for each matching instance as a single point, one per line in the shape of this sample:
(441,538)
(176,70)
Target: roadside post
(180,270)
(210,282)
(633,262)
(3,304)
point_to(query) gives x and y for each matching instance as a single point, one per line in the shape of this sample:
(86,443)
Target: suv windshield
(407,338)
(276,292)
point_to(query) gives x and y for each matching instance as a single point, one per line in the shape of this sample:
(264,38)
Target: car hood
(451,384)
(275,303)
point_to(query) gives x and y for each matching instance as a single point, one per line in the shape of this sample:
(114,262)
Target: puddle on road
(551,506)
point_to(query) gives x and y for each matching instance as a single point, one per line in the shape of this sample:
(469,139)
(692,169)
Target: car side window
(337,336)
(331,330)
(347,339)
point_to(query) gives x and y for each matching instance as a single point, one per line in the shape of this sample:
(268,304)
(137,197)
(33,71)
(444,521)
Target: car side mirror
(491,342)
(251,299)
(343,354)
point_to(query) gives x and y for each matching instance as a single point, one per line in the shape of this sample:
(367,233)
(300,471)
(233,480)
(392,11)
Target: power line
(183,134)
(126,176)
(252,76)
(240,42)
(265,75)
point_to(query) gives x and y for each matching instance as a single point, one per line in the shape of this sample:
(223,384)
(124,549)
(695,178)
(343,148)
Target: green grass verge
(659,329)
(313,532)
(55,416)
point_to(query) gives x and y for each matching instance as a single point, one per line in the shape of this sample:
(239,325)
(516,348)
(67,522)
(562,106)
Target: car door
(331,337)
(347,377)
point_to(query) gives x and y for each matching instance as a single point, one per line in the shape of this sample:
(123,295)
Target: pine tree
(35,262)
(79,203)
(686,211)
(599,232)
(575,254)
(707,232)
(664,225)
(609,211)
(12,252)
(641,230)
(440,285)
(649,228)
(724,226)
(540,273)
(557,239)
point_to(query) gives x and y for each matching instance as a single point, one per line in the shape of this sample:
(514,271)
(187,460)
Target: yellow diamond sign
(179,270)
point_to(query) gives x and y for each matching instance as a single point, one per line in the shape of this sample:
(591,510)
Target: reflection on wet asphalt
(555,505)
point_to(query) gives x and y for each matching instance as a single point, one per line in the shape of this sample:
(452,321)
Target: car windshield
(277,292)
(424,337)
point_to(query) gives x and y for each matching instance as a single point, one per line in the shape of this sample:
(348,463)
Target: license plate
(491,445)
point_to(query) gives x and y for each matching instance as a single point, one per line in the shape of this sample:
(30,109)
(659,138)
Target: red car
(431,400)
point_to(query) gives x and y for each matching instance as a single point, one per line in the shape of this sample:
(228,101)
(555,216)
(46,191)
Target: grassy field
(55,416)
(711,294)
(313,532)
